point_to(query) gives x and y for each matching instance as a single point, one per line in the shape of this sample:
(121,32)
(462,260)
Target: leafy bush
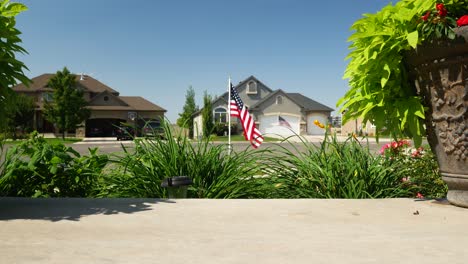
(419,169)
(35,168)
(334,170)
(214,173)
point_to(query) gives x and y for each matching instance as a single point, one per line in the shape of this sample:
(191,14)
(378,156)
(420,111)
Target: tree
(68,107)
(11,69)
(19,111)
(186,117)
(207,115)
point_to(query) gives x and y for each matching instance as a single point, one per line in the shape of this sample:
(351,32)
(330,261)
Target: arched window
(279,99)
(252,87)
(220,115)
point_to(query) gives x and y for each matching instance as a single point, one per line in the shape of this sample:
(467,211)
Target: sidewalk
(232,231)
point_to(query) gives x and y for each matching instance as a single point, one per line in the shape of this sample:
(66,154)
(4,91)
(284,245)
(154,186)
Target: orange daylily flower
(317,123)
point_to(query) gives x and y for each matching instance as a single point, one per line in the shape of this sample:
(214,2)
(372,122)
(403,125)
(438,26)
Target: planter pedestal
(440,74)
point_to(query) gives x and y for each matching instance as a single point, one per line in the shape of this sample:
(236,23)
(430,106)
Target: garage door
(312,129)
(282,125)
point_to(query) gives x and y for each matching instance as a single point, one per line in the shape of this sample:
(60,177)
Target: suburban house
(108,108)
(275,112)
(358,127)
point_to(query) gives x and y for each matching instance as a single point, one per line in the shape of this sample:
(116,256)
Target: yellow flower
(317,123)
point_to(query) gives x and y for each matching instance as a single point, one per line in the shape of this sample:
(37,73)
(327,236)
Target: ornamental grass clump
(333,170)
(381,90)
(215,174)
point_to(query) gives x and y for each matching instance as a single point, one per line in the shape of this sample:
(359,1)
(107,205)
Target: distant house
(108,108)
(275,112)
(357,126)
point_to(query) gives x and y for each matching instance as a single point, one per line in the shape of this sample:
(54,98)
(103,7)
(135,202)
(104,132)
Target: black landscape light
(177,186)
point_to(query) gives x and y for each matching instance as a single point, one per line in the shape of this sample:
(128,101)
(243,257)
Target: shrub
(35,168)
(334,170)
(214,173)
(419,169)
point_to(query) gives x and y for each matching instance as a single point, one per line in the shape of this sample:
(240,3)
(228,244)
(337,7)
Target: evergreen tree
(185,119)
(68,107)
(207,115)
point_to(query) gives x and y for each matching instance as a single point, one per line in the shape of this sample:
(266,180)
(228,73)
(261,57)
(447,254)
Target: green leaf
(384,79)
(413,38)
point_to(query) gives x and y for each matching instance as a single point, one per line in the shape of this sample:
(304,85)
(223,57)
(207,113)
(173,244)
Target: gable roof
(39,83)
(106,93)
(250,78)
(141,104)
(307,103)
(225,94)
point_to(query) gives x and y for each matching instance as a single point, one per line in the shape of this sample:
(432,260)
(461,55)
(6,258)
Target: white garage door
(283,125)
(312,129)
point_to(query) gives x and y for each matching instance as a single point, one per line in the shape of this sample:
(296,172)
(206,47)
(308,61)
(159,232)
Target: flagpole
(229,116)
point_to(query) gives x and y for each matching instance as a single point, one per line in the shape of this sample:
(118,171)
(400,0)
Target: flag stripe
(238,109)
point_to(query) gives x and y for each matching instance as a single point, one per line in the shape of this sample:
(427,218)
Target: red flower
(419,196)
(426,16)
(440,6)
(462,21)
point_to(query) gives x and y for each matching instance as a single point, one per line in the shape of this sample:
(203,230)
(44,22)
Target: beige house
(108,108)
(357,127)
(276,112)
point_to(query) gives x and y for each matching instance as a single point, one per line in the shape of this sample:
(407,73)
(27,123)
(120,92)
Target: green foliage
(35,168)
(19,110)
(380,91)
(11,69)
(186,117)
(207,115)
(68,108)
(419,168)
(213,172)
(333,170)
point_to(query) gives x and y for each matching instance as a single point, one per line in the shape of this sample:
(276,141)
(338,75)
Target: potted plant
(408,70)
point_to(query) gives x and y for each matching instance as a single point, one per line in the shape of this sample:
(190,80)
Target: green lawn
(50,140)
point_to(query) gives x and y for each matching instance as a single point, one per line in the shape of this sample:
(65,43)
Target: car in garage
(153,129)
(124,132)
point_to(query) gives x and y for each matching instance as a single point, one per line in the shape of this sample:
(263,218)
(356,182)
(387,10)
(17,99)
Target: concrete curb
(232,231)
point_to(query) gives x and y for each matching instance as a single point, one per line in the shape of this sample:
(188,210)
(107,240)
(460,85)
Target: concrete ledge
(232,231)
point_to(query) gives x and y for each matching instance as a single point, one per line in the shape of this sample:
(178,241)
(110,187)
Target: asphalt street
(116,146)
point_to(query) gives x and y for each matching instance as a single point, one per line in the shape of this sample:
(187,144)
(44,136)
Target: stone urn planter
(440,74)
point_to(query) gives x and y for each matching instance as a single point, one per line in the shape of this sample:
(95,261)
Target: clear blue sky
(156,48)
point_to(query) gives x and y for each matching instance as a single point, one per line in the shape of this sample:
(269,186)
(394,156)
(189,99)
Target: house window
(279,99)
(252,87)
(106,98)
(220,115)
(47,97)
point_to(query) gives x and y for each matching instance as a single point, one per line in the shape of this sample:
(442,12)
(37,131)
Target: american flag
(238,109)
(283,122)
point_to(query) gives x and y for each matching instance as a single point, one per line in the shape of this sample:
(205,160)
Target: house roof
(225,94)
(303,101)
(39,83)
(307,103)
(141,104)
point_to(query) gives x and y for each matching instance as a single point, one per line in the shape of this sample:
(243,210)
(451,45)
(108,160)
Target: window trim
(225,112)
(255,87)
(279,99)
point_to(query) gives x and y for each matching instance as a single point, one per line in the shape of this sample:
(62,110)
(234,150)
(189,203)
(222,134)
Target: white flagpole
(229,116)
